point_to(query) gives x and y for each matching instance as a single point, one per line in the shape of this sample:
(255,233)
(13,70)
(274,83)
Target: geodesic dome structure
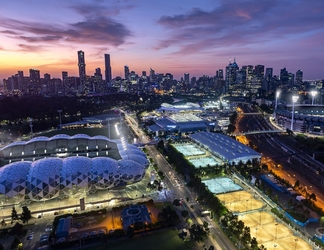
(13,180)
(44,179)
(50,177)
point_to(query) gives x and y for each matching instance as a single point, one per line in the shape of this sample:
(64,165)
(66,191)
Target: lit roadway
(178,190)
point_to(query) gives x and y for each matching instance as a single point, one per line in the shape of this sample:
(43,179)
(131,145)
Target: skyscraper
(299,77)
(82,68)
(126,71)
(107,68)
(34,81)
(186,78)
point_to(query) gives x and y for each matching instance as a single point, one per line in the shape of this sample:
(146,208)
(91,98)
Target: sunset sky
(175,36)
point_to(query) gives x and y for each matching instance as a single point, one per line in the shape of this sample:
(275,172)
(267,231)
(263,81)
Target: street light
(313,93)
(294,99)
(256,234)
(276,230)
(60,111)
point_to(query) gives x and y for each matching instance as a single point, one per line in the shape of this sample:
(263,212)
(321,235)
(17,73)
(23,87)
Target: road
(178,190)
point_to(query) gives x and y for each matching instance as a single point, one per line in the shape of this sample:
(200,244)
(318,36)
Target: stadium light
(294,99)
(313,93)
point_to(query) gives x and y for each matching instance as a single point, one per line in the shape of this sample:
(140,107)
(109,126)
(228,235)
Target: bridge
(254,113)
(259,132)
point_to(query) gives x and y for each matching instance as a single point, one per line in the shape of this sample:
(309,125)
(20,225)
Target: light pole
(313,93)
(276,230)
(294,99)
(60,111)
(256,234)
(31,126)
(277,96)
(295,243)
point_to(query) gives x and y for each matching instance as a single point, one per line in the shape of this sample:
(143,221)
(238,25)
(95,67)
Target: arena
(307,118)
(45,168)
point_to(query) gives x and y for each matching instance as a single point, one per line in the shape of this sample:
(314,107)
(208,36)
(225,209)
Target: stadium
(45,168)
(307,118)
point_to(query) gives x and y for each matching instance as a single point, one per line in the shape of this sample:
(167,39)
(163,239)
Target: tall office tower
(34,82)
(259,77)
(299,77)
(143,73)
(291,79)
(82,69)
(186,78)
(220,74)
(152,75)
(268,81)
(107,69)
(20,76)
(284,76)
(126,71)
(249,76)
(230,76)
(65,81)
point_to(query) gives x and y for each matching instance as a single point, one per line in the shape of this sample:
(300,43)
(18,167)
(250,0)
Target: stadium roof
(225,147)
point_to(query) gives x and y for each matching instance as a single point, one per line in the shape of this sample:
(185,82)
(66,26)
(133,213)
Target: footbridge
(259,132)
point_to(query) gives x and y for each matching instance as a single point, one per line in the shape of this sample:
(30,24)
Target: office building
(82,69)
(108,76)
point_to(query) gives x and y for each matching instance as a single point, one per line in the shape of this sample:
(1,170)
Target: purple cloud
(96,28)
(241,23)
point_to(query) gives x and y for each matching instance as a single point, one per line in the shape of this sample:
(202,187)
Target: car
(85,235)
(30,237)
(94,233)
(101,231)
(44,237)
(60,240)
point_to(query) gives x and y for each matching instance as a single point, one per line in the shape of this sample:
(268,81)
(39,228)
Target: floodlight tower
(294,99)
(313,93)
(31,126)
(60,111)
(277,96)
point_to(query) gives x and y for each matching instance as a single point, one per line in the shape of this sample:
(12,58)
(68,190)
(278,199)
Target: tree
(176,202)
(312,197)
(297,184)
(14,215)
(26,215)
(197,232)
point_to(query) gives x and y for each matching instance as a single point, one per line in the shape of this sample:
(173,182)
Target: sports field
(270,233)
(263,225)
(240,201)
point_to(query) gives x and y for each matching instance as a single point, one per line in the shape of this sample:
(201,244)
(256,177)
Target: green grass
(158,240)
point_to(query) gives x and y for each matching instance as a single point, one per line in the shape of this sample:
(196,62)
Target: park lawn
(157,240)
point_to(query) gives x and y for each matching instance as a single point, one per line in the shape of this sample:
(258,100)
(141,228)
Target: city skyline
(185,36)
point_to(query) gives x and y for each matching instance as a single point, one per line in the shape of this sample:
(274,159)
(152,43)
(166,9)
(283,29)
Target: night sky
(175,36)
